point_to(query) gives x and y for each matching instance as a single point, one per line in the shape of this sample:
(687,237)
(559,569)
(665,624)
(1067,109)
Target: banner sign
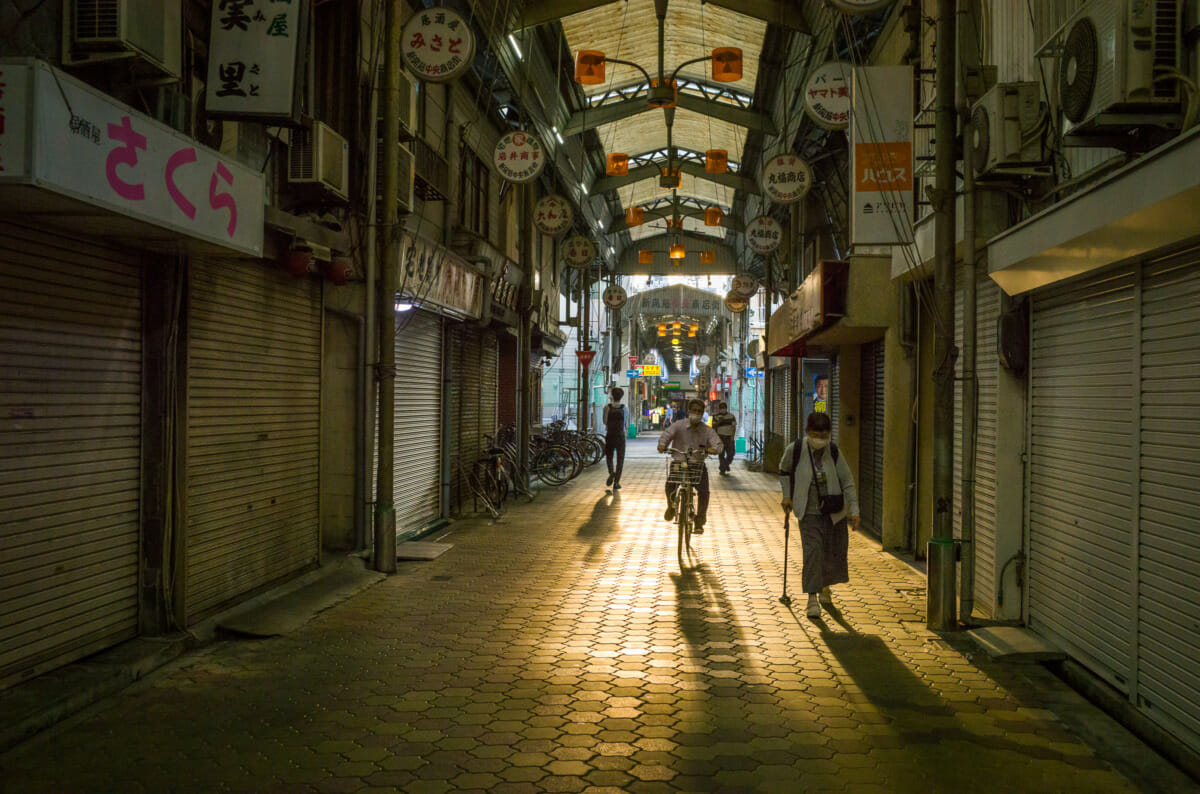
(67,138)
(433,274)
(881,156)
(437,45)
(253,60)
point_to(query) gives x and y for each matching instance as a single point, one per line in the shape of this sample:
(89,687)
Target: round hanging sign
(736,302)
(437,45)
(786,178)
(519,157)
(553,215)
(744,284)
(763,234)
(860,6)
(578,251)
(614,296)
(827,95)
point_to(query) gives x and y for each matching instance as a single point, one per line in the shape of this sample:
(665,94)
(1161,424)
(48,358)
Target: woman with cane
(817,484)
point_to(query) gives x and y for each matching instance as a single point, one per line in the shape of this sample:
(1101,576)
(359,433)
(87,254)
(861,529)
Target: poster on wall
(881,156)
(254,61)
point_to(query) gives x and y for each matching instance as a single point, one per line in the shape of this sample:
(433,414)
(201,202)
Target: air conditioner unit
(1109,54)
(406,179)
(319,156)
(1006,128)
(408,104)
(146,33)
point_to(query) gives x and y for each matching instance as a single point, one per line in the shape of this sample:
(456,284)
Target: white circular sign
(744,284)
(827,95)
(736,302)
(553,215)
(702,361)
(763,234)
(437,45)
(519,157)
(614,296)
(786,178)
(860,6)
(579,251)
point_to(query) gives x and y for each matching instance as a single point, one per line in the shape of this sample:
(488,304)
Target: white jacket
(838,479)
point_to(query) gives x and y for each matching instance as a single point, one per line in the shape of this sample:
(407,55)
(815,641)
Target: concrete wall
(897,433)
(1011,408)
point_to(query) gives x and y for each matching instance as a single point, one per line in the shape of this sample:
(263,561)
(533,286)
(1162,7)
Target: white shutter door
(70,447)
(1082,470)
(253,430)
(1168,530)
(418,416)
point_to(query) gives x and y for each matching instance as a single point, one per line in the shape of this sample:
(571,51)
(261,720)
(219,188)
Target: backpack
(797,451)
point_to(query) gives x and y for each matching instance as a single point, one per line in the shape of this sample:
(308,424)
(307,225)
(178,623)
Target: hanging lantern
(708,257)
(713,216)
(671,179)
(645,257)
(726,64)
(677,254)
(675,222)
(617,164)
(675,326)
(338,269)
(298,260)
(662,329)
(636,216)
(693,328)
(716,161)
(589,67)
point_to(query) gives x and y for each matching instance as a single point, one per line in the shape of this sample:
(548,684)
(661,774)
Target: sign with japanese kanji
(744,284)
(736,302)
(519,157)
(83,144)
(763,234)
(578,251)
(650,370)
(614,296)
(585,356)
(437,45)
(881,156)
(253,59)
(827,95)
(786,178)
(553,215)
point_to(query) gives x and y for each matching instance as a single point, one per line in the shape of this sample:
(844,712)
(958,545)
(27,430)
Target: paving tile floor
(563,649)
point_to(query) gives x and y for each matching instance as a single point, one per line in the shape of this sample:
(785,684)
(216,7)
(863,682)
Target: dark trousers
(701,494)
(726,459)
(615,444)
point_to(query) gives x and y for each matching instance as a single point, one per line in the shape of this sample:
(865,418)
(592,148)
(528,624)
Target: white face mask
(694,419)
(818,443)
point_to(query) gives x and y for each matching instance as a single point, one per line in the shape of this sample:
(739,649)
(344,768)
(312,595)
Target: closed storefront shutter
(70,446)
(253,430)
(474,379)
(418,421)
(1082,470)
(1168,531)
(870,468)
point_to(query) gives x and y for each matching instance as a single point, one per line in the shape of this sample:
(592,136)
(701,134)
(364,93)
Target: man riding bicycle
(687,435)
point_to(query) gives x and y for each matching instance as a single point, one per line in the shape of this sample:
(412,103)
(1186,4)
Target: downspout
(370,357)
(447,428)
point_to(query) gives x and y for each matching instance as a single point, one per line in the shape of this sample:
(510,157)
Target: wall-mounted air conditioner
(148,34)
(319,156)
(406,182)
(1110,53)
(1006,131)
(408,104)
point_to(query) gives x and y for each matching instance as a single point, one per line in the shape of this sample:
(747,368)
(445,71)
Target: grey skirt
(825,546)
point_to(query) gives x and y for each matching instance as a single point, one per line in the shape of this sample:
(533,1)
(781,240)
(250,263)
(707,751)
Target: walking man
(725,424)
(692,436)
(615,422)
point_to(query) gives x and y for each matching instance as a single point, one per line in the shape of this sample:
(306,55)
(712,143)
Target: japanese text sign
(881,156)
(519,157)
(436,275)
(578,251)
(614,296)
(650,371)
(83,144)
(744,284)
(254,58)
(437,45)
(763,234)
(827,95)
(553,215)
(786,178)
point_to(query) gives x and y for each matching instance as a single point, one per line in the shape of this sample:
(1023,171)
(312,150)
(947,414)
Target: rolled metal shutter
(418,421)
(1168,534)
(835,395)
(253,430)
(489,383)
(870,468)
(1082,471)
(70,448)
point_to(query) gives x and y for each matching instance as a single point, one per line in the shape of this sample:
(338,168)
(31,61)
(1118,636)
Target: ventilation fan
(1077,71)
(980,135)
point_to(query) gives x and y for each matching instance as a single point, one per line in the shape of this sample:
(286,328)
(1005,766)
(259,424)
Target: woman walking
(817,483)
(615,421)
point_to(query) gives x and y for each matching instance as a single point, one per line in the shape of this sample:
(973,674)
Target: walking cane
(785,599)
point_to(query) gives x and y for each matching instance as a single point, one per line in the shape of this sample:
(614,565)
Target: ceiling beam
(735,181)
(779,12)
(539,12)
(589,119)
(617,224)
(725,264)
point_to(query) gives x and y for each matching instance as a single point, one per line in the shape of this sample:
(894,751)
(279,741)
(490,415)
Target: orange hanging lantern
(713,216)
(617,164)
(666,97)
(662,329)
(636,216)
(692,331)
(727,64)
(675,326)
(708,257)
(671,179)
(675,222)
(716,161)
(677,252)
(645,257)
(589,67)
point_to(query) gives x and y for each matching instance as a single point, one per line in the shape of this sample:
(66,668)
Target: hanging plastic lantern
(589,67)
(671,179)
(636,216)
(727,64)
(713,216)
(691,334)
(678,252)
(675,326)
(708,257)
(617,164)
(693,328)
(716,161)
(662,329)
(645,257)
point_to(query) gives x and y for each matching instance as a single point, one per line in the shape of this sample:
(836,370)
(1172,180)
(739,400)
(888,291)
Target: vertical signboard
(254,58)
(881,155)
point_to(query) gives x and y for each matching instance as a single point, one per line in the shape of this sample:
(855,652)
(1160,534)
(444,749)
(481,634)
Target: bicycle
(484,483)
(686,475)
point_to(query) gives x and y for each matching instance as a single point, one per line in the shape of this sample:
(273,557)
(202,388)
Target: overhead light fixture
(403,306)
(583,189)
(675,326)
(557,134)
(516,48)
(677,251)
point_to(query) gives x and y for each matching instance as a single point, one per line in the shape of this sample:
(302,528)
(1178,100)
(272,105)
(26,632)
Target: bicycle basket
(684,473)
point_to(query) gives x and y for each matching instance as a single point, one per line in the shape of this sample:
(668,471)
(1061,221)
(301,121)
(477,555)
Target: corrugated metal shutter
(70,447)
(870,468)
(1168,532)
(835,395)
(1082,471)
(489,383)
(781,402)
(474,380)
(418,417)
(253,430)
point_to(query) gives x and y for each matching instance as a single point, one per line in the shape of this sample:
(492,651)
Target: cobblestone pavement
(562,649)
